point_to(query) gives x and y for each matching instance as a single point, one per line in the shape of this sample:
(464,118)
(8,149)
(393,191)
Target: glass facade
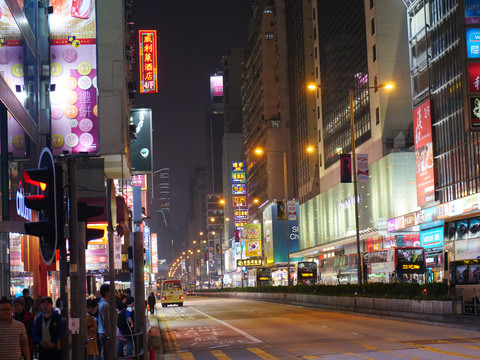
(436,61)
(343,66)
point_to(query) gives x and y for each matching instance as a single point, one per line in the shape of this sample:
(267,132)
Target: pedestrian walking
(26,318)
(105,331)
(92,348)
(47,331)
(151,302)
(28,300)
(125,324)
(13,336)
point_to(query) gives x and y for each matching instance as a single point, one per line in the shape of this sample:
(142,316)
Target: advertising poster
(253,231)
(292,210)
(475,111)
(280,210)
(117,252)
(238,177)
(141,147)
(473,43)
(239,189)
(432,237)
(474,77)
(239,200)
(96,255)
(154,254)
(73,70)
(422,124)
(362,168)
(345,168)
(472,11)
(11,70)
(238,166)
(253,248)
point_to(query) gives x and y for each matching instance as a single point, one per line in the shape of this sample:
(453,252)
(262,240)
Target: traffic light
(86,211)
(49,225)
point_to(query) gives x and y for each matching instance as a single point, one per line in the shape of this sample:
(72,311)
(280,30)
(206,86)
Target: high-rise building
(358,45)
(214,126)
(303,119)
(266,107)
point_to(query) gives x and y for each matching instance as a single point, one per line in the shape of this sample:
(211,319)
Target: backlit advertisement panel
(148,61)
(239,200)
(474,77)
(238,166)
(432,237)
(473,43)
(154,245)
(472,11)
(141,147)
(239,189)
(240,214)
(73,70)
(238,177)
(424,153)
(11,70)
(216,85)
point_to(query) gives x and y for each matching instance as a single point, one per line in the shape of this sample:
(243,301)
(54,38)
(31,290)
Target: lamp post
(387,86)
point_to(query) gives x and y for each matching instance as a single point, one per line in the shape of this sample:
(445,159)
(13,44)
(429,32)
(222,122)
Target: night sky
(192,37)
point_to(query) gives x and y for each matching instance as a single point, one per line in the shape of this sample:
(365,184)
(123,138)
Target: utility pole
(4,237)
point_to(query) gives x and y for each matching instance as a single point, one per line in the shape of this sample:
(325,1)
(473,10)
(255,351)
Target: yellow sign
(307,274)
(253,248)
(249,262)
(239,200)
(410,267)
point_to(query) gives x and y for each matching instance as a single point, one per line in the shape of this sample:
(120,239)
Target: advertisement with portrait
(12,71)
(422,125)
(73,70)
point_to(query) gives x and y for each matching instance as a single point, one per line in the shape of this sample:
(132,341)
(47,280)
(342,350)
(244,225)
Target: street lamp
(387,86)
(260,151)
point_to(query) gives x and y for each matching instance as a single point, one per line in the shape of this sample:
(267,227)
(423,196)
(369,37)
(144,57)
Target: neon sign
(148,61)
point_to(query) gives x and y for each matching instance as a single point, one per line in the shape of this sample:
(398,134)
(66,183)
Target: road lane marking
(186,356)
(170,337)
(359,355)
(311,357)
(262,354)
(473,347)
(241,332)
(369,347)
(220,355)
(445,352)
(399,355)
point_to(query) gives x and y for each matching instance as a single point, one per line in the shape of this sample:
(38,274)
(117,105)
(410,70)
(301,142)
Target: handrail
(115,338)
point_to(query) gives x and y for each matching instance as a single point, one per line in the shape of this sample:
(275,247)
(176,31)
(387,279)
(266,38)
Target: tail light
(181,297)
(164,298)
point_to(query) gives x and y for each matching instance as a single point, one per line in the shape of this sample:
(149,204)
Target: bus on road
(306,272)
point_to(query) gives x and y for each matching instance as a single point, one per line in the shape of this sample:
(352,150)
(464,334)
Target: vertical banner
(146,245)
(345,168)
(73,70)
(292,210)
(117,252)
(280,210)
(422,126)
(154,245)
(148,61)
(362,168)
(141,147)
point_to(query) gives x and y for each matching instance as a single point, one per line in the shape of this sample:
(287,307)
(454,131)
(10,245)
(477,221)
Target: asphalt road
(217,328)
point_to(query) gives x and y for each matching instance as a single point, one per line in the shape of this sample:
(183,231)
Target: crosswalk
(246,353)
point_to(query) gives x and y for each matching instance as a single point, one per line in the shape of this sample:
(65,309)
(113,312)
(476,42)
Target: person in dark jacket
(151,303)
(47,331)
(26,318)
(28,300)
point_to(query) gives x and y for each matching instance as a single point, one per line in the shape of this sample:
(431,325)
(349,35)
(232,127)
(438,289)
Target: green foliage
(435,291)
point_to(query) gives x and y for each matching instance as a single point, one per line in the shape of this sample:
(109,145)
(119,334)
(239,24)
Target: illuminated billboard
(141,147)
(240,214)
(12,71)
(216,85)
(238,166)
(239,200)
(239,189)
(424,154)
(148,61)
(73,70)
(238,177)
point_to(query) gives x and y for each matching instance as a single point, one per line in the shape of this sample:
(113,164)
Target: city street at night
(221,328)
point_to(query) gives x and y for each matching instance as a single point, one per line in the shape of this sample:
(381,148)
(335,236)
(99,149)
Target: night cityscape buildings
(69,81)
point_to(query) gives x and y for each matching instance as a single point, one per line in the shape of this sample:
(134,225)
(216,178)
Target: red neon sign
(148,61)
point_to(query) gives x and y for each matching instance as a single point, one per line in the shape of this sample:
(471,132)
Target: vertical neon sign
(148,61)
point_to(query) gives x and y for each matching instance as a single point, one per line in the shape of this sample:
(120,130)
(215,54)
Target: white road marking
(241,332)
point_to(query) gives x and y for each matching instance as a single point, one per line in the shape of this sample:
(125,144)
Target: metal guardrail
(470,307)
(136,354)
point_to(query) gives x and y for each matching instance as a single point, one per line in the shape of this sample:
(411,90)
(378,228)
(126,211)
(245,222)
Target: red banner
(422,123)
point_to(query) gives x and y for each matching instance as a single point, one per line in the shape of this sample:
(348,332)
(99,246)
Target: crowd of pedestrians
(31,329)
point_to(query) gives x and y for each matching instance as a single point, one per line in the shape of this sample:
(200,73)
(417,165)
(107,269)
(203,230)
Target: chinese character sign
(238,166)
(422,126)
(239,189)
(473,43)
(474,77)
(239,200)
(148,61)
(238,177)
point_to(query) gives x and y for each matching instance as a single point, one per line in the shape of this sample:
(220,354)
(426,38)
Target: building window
(371,4)
(372,24)
(316,52)
(314,11)
(315,33)
(319,136)
(269,36)
(318,112)
(316,72)
(374,52)
(377,115)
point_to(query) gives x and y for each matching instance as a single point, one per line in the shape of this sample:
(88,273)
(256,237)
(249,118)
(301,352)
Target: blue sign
(472,11)
(431,238)
(430,214)
(473,43)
